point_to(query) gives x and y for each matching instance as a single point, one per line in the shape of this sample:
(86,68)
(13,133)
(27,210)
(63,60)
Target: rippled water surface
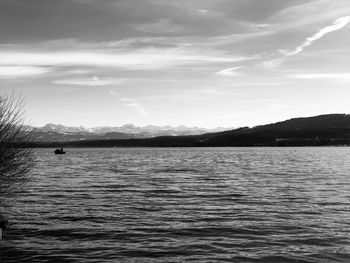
(183,205)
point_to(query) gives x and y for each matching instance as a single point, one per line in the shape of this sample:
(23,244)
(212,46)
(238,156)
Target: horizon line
(183,125)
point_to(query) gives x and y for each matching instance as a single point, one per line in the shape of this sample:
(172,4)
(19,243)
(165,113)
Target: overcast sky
(194,62)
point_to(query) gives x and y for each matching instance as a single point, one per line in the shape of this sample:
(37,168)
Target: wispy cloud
(336,25)
(79,71)
(150,58)
(233,38)
(261,30)
(229,72)
(134,104)
(323,76)
(10,72)
(94,81)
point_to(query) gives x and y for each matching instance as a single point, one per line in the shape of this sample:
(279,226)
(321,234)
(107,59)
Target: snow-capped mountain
(50,127)
(58,132)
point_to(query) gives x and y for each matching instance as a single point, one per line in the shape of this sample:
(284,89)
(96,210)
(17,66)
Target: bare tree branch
(16,158)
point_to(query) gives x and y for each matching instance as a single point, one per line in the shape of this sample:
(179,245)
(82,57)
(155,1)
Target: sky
(205,63)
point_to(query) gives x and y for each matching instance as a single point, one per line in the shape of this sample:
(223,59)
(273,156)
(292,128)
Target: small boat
(59,151)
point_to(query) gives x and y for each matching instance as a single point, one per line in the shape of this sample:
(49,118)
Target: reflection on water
(176,205)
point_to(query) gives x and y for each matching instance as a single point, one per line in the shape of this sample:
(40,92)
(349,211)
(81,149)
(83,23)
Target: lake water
(183,205)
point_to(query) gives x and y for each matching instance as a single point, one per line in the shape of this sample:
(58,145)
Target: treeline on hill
(332,129)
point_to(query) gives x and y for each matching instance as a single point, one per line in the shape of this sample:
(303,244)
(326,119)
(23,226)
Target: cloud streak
(336,25)
(134,104)
(150,58)
(229,72)
(11,72)
(94,81)
(323,76)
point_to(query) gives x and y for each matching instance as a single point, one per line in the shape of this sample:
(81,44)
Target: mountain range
(60,133)
(331,129)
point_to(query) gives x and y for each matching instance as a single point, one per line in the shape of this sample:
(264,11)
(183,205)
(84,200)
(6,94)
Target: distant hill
(332,129)
(328,129)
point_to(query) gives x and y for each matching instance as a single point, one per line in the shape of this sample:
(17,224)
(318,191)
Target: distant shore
(323,130)
(168,142)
